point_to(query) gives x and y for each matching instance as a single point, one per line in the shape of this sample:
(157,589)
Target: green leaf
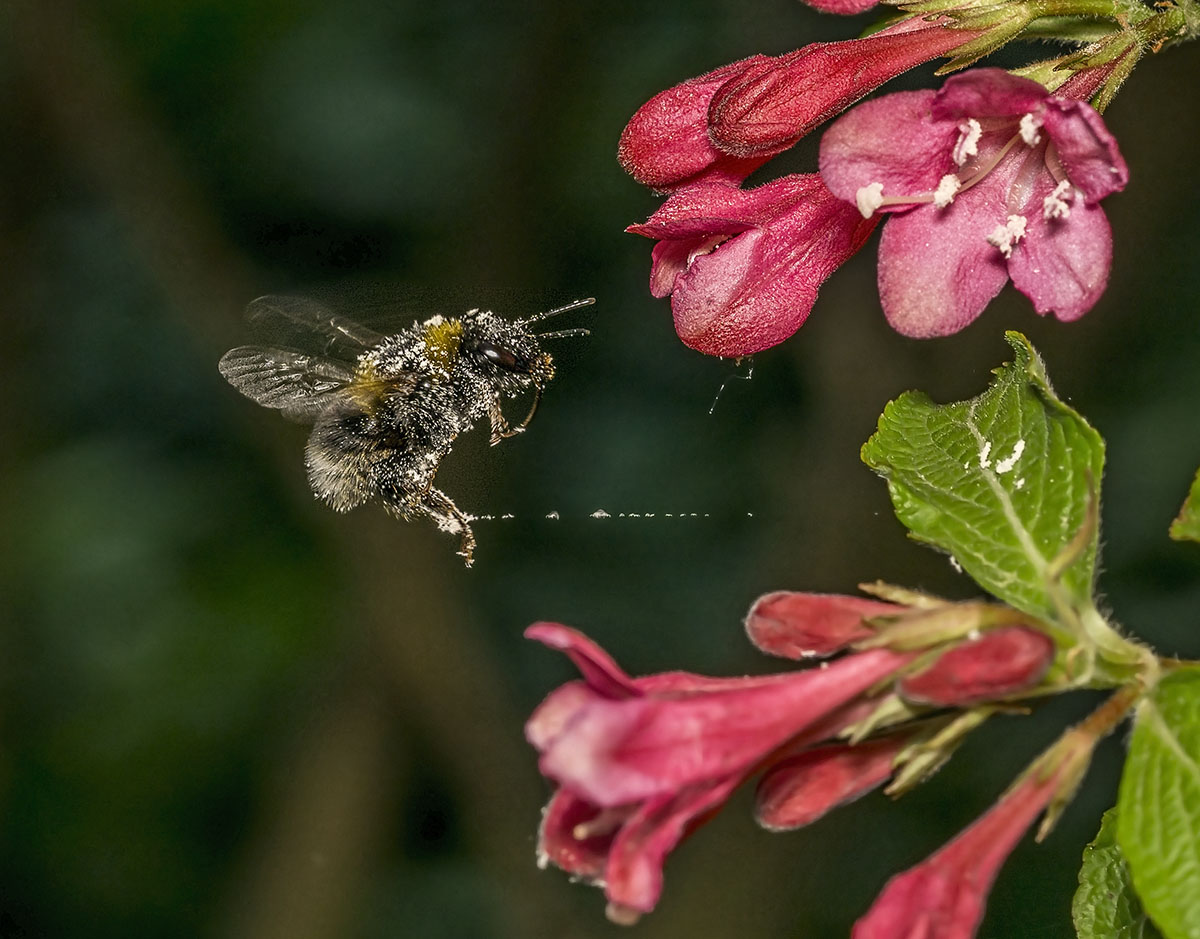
(1186,526)
(1158,826)
(1002,481)
(1105,905)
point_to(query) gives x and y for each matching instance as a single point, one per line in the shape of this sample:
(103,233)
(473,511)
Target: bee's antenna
(574,305)
(558,334)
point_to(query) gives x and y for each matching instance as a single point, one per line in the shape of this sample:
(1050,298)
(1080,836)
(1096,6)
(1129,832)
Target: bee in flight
(386,409)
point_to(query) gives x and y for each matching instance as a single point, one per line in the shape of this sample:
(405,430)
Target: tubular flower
(944,896)
(990,178)
(639,762)
(743,267)
(766,107)
(726,123)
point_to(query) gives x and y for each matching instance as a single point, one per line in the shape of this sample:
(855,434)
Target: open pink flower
(743,266)
(640,761)
(990,178)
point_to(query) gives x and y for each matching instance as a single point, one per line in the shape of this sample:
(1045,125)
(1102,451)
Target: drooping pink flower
(640,761)
(743,266)
(724,124)
(990,178)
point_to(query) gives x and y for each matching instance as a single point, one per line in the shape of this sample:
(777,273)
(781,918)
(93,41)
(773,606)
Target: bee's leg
(500,425)
(441,508)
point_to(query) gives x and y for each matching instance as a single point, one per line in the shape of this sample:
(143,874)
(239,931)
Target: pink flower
(743,266)
(665,144)
(944,896)
(726,123)
(640,761)
(989,178)
(767,106)
(842,7)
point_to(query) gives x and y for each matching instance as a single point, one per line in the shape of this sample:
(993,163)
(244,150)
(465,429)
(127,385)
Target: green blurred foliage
(221,703)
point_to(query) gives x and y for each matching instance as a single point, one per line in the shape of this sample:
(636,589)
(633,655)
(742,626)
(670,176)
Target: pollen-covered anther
(708,246)
(1057,204)
(968,141)
(946,190)
(1007,235)
(1030,126)
(869,198)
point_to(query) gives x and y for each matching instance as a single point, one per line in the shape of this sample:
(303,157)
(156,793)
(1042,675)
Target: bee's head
(497,348)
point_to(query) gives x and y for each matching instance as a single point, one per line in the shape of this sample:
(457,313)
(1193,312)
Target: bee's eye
(501,357)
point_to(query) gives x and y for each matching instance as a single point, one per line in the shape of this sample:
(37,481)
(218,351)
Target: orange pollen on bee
(442,339)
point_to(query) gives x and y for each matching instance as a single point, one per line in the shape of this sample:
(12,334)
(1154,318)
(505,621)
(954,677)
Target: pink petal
(756,289)
(666,143)
(937,270)
(599,670)
(798,791)
(804,625)
(985,93)
(1086,149)
(556,712)
(891,140)
(999,663)
(1062,265)
(633,877)
(563,819)
(617,752)
(943,897)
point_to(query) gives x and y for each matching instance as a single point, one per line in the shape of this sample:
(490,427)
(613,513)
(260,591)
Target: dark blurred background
(227,711)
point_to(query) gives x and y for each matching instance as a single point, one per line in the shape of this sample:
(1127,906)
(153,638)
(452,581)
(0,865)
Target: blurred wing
(295,383)
(310,325)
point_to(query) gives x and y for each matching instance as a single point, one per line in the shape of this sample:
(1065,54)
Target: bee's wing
(299,385)
(309,324)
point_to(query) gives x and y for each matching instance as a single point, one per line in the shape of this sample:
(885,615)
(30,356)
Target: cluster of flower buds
(890,691)
(994,177)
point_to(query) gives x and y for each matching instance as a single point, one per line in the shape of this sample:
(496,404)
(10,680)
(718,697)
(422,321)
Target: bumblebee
(386,409)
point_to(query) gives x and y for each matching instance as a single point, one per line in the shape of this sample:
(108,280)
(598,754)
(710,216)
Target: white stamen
(1007,235)
(947,188)
(968,141)
(1056,205)
(1030,126)
(869,198)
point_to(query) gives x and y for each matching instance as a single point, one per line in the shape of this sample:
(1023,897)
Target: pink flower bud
(810,625)
(999,663)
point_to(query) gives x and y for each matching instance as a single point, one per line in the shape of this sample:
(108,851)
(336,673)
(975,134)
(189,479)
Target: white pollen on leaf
(1005,465)
(600,513)
(946,190)
(1007,235)
(1030,126)
(869,198)
(984,461)
(1019,483)
(1056,205)
(968,141)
